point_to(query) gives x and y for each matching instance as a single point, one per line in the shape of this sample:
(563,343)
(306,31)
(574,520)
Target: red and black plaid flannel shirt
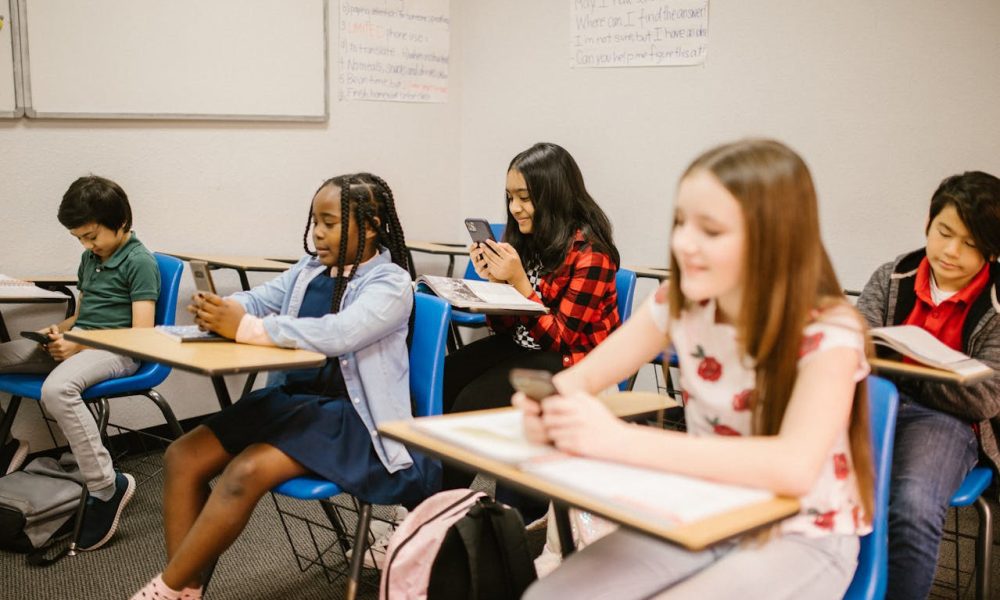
(582,301)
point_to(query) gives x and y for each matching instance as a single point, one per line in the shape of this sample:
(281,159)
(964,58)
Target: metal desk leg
(4,336)
(564,529)
(451,265)
(221,391)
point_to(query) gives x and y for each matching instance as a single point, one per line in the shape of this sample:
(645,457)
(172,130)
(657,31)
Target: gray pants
(625,565)
(61,398)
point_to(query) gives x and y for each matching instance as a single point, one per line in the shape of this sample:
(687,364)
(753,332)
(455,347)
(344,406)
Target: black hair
(363,199)
(94,199)
(976,198)
(562,206)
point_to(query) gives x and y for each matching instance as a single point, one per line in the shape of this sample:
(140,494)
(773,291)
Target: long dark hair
(562,206)
(363,198)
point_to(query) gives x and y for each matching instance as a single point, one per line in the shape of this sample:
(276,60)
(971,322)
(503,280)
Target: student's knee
(913,503)
(57,394)
(242,478)
(187,457)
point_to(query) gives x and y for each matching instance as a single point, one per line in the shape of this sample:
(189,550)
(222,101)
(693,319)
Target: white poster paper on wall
(394,50)
(638,33)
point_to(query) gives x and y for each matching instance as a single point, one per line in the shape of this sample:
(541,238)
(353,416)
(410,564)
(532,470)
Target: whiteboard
(175,59)
(10,72)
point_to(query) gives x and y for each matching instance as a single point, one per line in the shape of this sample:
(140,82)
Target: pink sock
(157,590)
(192,593)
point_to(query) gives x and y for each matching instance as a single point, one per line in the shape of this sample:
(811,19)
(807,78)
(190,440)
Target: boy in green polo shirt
(119,282)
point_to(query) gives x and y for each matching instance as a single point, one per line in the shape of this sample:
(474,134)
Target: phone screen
(533,383)
(202,276)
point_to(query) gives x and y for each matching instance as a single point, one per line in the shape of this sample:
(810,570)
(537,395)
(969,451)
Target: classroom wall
(219,187)
(883,99)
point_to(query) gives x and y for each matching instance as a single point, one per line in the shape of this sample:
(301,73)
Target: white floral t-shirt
(717,383)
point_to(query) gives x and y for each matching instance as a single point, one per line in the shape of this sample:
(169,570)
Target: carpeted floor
(260,565)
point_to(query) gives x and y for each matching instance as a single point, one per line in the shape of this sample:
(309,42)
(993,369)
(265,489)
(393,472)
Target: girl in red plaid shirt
(557,251)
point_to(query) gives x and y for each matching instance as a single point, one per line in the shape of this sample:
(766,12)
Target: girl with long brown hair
(772,361)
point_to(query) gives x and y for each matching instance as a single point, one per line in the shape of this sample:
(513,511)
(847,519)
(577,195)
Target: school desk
(57,283)
(886,366)
(240,264)
(694,536)
(440,248)
(651,272)
(213,359)
(25,294)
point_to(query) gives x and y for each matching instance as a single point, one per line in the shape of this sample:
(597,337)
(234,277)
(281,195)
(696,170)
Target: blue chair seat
(148,376)
(973,487)
(467,319)
(308,488)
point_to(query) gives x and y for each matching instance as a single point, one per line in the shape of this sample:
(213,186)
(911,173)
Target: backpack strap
(470,530)
(36,558)
(518,566)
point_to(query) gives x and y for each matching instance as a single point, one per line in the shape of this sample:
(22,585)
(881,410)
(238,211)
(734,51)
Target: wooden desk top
(650,272)
(67,280)
(439,248)
(28,294)
(694,536)
(245,263)
(894,367)
(206,358)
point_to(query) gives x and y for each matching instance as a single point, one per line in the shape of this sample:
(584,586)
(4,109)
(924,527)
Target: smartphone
(534,383)
(479,230)
(202,276)
(34,336)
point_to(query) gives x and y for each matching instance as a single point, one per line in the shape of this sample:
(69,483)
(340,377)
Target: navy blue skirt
(326,436)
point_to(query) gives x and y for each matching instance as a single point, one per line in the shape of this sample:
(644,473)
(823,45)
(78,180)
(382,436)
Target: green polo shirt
(109,288)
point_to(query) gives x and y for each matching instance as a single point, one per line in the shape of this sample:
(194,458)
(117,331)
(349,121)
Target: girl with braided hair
(351,299)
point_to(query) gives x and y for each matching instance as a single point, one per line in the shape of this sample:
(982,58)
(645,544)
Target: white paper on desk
(497,435)
(29,291)
(664,498)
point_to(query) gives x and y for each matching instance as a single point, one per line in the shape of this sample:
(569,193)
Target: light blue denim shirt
(368,335)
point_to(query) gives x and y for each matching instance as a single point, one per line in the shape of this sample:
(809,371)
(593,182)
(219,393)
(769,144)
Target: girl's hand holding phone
(579,423)
(531,411)
(505,264)
(476,251)
(213,313)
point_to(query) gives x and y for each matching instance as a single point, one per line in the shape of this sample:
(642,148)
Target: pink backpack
(458,543)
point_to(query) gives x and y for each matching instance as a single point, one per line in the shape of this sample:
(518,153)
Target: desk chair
(427,349)
(625,287)
(971,492)
(460,318)
(871,576)
(140,383)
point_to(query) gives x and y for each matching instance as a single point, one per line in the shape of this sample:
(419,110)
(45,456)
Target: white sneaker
(382,532)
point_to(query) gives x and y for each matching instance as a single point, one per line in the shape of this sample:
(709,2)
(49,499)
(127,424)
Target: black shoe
(12,456)
(100,519)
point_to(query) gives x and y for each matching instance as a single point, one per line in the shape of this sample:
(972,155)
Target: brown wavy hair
(790,277)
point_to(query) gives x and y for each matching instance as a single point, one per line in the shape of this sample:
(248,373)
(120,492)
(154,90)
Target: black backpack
(484,556)
(37,506)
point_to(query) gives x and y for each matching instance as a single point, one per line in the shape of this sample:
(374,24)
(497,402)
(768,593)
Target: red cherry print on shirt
(741,401)
(840,467)
(825,520)
(685,397)
(810,343)
(721,429)
(709,369)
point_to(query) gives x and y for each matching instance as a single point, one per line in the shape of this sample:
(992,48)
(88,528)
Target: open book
(921,346)
(189,333)
(481,296)
(666,499)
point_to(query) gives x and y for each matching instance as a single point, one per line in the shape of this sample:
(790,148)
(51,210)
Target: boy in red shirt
(949,288)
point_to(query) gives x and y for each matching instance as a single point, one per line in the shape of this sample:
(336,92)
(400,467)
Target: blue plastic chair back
(625,287)
(149,374)
(427,350)
(869,581)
